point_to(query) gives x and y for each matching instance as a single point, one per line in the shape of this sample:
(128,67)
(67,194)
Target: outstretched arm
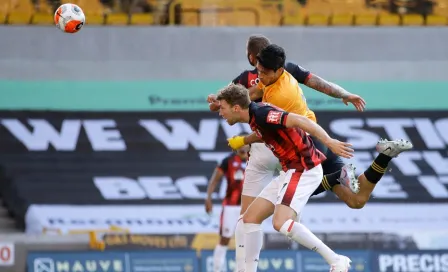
(297,121)
(334,90)
(319,84)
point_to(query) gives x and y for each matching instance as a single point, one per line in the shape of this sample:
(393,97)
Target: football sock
(328,182)
(219,258)
(379,166)
(306,238)
(240,251)
(253,245)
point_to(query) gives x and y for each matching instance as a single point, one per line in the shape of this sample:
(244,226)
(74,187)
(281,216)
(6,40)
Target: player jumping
(286,134)
(232,168)
(279,88)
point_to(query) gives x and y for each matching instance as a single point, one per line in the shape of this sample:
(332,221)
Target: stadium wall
(158,53)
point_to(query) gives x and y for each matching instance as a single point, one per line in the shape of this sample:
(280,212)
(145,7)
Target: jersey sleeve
(224,165)
(299,73)
(271,118)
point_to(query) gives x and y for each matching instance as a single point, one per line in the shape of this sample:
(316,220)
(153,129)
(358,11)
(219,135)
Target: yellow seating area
(24,12)
(290,13)
(231,13)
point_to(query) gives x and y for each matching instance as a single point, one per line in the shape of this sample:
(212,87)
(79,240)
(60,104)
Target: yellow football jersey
(286,94)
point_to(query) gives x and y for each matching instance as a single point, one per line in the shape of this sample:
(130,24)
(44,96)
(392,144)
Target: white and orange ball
(69,18)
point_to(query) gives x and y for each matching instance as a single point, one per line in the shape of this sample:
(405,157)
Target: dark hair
(256,43)
(235,94)
(272,57)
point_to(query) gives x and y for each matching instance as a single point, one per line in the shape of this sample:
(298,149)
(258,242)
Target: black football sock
(379,166)
(328,182)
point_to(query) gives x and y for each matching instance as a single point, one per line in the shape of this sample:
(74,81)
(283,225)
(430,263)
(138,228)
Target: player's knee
(277,223)
(249,218)
(357,203)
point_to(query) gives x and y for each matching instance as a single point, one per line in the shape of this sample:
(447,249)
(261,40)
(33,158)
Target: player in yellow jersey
(279,88)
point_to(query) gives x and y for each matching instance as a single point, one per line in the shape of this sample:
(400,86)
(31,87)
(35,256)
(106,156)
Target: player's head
(254,45)
(234,103)
(270,63)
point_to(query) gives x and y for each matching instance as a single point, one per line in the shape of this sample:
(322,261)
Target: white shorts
(293,188)
(229,217)
(260,170)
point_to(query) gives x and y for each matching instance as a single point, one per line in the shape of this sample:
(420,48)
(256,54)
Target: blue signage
(154,261)
(270,260)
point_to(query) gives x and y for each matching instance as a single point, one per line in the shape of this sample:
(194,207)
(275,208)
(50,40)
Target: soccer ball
(69,18)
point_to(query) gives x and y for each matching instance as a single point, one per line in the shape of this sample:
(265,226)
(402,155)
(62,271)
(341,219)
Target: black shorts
(333,163)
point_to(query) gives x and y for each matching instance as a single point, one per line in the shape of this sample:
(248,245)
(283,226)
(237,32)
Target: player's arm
(321,85)
(255,93)
(217,175)
(236,142)
(251,139)
(291,120)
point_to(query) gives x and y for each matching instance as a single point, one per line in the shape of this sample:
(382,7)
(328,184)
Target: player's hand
(236,142)
(213,104)
(341,148)
(356,100)
(208,206)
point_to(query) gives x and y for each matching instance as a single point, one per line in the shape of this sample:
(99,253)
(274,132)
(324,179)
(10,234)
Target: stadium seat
(93,10)
(440,14)
(20,12)
(316,13)
(142,19)
(117,19)
(42,19)
(387,19)
(413,20)
(3,12)
(293,13)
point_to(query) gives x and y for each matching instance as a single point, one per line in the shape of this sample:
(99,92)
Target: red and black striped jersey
(233,167)
(292,146)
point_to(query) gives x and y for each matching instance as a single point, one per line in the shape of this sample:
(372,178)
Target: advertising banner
(115,261)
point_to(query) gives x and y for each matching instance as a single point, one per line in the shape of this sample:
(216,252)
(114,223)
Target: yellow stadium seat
(440,14)
(341,20)
(117,19)
(142,19)
(436,20)
(389,20)
(413,20)
(95,19)
(289,20)
(2,17)
(316,20)
(366,19)
(19,18)
(42,19)
(20,12)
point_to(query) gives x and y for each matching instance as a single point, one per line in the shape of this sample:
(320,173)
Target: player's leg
(293,197)
(368,180)
(258,211)
(229,218)
(259,172)
(332,167)
(220,251)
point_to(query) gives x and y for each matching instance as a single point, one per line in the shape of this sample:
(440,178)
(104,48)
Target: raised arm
(319,84)
(297,121)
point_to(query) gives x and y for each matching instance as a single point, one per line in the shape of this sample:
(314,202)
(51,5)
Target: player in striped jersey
(286,135)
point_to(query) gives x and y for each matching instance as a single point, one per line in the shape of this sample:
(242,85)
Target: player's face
(250,58)
(266,76)
(228,112)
